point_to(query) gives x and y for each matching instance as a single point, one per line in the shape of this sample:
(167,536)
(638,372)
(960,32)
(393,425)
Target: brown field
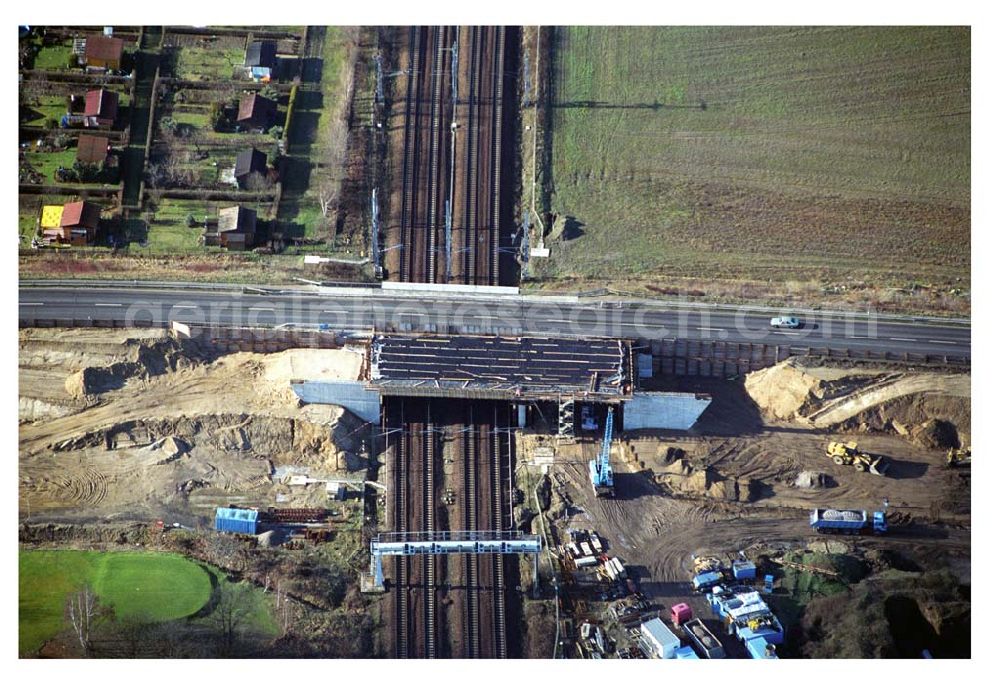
(715,159)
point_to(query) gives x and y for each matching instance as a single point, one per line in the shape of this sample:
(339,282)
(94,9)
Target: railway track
(410,154)
(424,627)
(472,160)
(471,495)
(428,178)
(401,572)
(499,606)
(429,587)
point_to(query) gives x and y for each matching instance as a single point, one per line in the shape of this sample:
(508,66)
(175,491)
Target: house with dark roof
(260,59)
(103,52)
(237,228)
(100,108)
(256,113)
(92,149)
(248,163)
(77,226)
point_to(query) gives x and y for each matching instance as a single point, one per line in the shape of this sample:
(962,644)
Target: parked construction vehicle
(832,520)
(959,457)
(601,476)
(847,453)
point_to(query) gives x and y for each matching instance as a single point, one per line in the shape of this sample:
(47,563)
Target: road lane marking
(709,329)
(893,338)
(332,312)
(259,308)
(865,338)
(32,303)
(951,343)
(180,306)
(113,305)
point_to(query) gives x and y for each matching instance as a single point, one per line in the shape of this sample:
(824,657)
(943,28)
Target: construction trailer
(236,520)
(657,640)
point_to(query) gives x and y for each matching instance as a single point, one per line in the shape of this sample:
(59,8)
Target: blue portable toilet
(768,583)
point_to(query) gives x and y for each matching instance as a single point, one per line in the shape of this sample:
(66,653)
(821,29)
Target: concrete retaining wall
(673,411)
(686,357)
(351,395)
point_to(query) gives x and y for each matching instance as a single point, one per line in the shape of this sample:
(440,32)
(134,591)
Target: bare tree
(136,632)
(84,611)
(231,615)
(282,607)
(258,183)
(327,196)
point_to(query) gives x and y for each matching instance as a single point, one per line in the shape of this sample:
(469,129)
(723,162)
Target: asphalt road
(343,309)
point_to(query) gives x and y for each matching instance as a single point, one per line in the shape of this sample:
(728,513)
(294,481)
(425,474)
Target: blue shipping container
(744,571)
(706,580)
(236,520)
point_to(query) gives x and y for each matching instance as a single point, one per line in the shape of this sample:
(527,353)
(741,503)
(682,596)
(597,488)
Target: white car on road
(785,322)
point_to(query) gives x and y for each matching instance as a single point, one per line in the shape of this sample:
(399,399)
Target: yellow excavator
(847,453)
(959,457)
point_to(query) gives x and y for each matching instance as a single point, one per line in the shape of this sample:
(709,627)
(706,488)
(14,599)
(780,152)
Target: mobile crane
(601,476)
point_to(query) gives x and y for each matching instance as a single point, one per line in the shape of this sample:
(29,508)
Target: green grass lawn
(50,106)
(55,57)
(27,224)
(155,586)
(308,145)
(169,232)
(199,120)
(46,163)
(776,153)
(159,586)
(197,63)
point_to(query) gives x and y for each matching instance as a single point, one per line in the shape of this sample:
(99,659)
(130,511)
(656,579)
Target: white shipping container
(585,547)
(585,561)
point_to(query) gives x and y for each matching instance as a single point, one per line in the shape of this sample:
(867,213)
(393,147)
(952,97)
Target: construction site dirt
(137,426)
(735,483)
(451,203)
(170,438)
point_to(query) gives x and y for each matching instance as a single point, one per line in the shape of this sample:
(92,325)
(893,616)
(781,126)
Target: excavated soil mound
(937,434)
(933,409)
(141,358)
(810,479)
